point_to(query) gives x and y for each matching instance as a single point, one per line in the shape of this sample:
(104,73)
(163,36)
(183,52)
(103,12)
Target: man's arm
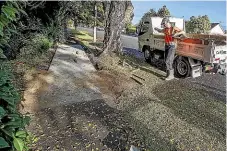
(159,30)
(178,32)
(176,29)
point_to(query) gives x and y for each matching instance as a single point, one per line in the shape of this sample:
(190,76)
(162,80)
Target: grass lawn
(87,40)
(82,35)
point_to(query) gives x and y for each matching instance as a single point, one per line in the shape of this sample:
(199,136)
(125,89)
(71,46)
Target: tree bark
(113,27)
(115,19)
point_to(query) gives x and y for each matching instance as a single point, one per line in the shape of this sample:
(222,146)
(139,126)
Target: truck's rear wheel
(182,67)
(147,55)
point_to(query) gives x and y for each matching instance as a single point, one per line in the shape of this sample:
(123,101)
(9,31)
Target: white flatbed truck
(193,55)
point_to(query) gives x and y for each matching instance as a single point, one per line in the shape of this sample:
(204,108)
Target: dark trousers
(169,55)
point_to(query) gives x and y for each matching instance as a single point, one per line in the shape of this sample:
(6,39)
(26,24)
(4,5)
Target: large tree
(85,15)
(150,13)
(200,24)
(163,12)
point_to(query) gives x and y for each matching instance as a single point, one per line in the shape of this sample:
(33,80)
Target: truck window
(143,29)
(172,24)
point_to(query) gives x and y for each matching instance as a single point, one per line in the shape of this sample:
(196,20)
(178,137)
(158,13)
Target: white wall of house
(217,30)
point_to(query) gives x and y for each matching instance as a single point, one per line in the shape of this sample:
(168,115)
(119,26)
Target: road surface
(127,41)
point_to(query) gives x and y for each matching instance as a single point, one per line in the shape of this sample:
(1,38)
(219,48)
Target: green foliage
(130,29)
(35,47)
(8,15)
(74,32)
(163,12)
(18,144)
(3,143)
(86,14)
(151,13)
(12,124)
(10,12)
(200,24)
(52,31)
(70,23)
(41,43)
(83,35)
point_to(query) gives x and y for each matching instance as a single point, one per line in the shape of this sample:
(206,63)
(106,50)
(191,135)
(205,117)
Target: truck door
(143,34)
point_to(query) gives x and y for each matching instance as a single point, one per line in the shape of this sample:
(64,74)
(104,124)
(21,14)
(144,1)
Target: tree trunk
(113,26)
(63,31)
(106,7)
(115,12)
(75,23)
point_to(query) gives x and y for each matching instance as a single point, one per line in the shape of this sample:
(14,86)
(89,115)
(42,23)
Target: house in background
(216,29)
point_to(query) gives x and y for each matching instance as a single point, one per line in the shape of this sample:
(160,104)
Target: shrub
(41,43)
(38,45)
(12,124)
(9,12)
(52,30)
(70,23)
(131,30)
(74,32)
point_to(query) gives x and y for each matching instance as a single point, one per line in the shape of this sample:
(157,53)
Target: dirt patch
(112,83)
(37,81)
(34,78)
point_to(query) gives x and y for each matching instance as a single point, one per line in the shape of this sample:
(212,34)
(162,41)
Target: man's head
(165,23)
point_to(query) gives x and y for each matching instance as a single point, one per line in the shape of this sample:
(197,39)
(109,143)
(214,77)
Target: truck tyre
(147,54)
(182,67)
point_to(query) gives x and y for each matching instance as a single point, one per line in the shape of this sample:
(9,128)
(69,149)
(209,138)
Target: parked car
(100,29)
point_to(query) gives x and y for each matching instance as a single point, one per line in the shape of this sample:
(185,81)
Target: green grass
(131,29)
(82,35)
(87,40)
(97,44)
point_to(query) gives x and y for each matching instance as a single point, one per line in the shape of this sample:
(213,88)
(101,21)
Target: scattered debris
(137,80)
(138,77)
(133,148)
(135,70)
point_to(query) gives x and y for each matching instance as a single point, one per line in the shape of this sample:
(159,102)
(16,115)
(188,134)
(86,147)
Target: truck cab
(146,30)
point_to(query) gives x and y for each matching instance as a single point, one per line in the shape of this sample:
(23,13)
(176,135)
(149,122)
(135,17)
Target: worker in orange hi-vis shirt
(169,32)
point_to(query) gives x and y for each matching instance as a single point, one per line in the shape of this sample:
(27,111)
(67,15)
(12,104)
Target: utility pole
(94,35)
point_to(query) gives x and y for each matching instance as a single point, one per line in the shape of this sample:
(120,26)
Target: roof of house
(213,25)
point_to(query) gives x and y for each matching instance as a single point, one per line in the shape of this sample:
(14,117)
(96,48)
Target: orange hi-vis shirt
(168,35)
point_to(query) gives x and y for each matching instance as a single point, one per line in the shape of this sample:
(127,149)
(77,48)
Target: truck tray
(199,39)
(196,46)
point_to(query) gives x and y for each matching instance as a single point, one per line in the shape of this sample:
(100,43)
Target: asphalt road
(127,41)
(207,82)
